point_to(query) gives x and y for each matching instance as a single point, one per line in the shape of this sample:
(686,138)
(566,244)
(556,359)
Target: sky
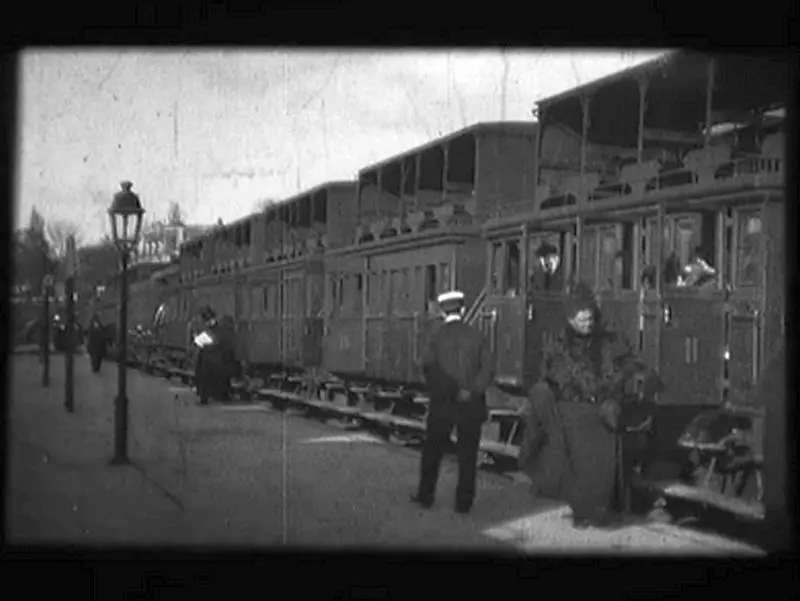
(218,131)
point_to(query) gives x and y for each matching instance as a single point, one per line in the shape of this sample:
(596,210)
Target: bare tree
(33,255)
(58,232)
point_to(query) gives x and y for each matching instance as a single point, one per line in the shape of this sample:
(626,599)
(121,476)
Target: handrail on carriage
(474,311)
(727,170)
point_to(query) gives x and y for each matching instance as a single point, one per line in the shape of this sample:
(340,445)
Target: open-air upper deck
(291,229)
(453,180)
(683,126)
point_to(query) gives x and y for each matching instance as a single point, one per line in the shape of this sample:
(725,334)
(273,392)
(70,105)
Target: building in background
(161,242)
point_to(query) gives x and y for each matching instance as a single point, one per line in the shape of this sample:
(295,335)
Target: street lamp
(126,223)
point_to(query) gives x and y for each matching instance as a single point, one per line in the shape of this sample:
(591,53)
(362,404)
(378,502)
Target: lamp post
(47,285)
(69,362)
(126,223)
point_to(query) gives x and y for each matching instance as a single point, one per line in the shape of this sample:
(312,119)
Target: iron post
(46,331)
(69,359)
(121,404)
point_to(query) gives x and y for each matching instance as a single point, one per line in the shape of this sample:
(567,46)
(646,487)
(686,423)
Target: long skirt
(569,454)
(213,375)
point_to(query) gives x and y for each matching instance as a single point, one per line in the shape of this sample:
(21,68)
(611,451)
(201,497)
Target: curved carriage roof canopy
(489,127)
(676,97)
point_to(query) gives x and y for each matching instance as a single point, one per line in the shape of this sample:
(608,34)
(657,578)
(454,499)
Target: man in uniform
(457,369)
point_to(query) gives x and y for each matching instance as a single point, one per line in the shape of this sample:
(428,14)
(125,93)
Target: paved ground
(247,475)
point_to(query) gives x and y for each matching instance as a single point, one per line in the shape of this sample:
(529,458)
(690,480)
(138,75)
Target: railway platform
(249,475)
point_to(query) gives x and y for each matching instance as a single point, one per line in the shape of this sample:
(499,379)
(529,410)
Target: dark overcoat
(569,450)
(457,358)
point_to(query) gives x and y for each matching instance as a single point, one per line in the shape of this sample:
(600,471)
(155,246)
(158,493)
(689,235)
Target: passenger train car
(342,276)
(632,181)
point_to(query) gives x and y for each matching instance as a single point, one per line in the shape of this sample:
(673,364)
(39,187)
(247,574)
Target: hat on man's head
(451,301)
(207,313)
(545,249)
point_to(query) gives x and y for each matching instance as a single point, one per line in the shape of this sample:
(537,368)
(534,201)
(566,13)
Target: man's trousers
(437,440)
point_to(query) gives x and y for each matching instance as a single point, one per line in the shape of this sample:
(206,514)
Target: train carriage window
(444,271)
(512,267)
(374,290)
(588,253)
(496,275)
(431,289)
(353,299)
(244,298)
(686,240)
(388,289)
(609,248)
(334,300)
(313,296)
(355,291)
(256,302)
(651,243)
(624,258)
(273,300)
(403,294)
(749,256)
(651,262)
(545,251)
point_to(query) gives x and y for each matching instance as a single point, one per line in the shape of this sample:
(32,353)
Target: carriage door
(692,332)
(241,319)
(373,323)
(510,307)
(744,321)
(401,326)
(314,320)
(486,320)
(650,315)
(619,298)
(283,319)
(773,221)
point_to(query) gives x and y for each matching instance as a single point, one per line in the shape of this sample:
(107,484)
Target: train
(629,180)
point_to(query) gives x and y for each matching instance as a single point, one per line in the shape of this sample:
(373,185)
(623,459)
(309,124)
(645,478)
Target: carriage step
(703,496)
(500,449)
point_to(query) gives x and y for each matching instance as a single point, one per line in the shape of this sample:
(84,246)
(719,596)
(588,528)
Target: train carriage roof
(676,96)
(272,207)
(496,127)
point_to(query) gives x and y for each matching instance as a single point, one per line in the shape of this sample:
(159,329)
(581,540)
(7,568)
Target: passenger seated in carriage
(697,273)
(546,269)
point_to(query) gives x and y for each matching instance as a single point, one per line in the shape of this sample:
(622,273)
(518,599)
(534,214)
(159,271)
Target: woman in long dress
(96,343)
(570,447)
(205,360)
